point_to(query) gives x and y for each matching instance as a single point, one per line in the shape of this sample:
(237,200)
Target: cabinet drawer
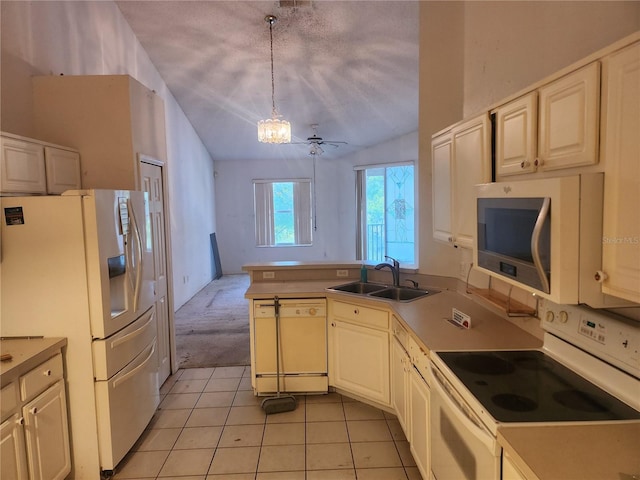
(400,333)
(369,317)
(45,374)
(8,399)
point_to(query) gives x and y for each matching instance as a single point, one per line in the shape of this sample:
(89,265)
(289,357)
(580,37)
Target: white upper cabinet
(516,126)
(569,120)
(441,158)
(471,166)
(63,170)
(551,128)
(621,155)
(109,118)
(461,158)
(32,167)
(23,169)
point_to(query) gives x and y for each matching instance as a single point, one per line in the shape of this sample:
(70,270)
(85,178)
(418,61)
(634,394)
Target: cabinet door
(63,170)
(569,120)
(516,136)
(621,156)
(441,158)
(22,167)
(47,434)
(360,360)
(419,414)
(400,365)
(471,166)
(14,459)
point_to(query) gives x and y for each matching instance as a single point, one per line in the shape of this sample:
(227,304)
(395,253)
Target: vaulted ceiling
(351,67)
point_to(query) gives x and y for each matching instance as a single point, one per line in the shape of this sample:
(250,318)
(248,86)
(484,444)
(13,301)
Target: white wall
(473,54)
(334,238)
(77,38)
(529,40)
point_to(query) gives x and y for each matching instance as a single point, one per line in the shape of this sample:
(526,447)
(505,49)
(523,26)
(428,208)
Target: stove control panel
(611,338)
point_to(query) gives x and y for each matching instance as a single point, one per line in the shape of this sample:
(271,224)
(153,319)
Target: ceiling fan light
(274,130)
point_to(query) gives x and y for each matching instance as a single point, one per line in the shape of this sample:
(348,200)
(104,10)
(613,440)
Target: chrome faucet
(395,269)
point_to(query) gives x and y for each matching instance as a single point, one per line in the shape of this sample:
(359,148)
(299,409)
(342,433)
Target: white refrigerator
(80,266)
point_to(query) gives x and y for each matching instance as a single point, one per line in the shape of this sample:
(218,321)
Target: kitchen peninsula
(427,329)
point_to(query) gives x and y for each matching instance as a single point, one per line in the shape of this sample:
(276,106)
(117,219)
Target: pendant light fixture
(273,130)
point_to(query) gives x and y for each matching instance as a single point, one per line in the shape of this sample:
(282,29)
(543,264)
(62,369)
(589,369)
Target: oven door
(461,446)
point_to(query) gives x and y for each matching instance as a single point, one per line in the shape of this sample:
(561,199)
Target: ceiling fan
(315,142)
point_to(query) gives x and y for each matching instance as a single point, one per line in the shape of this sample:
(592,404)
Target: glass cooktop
(529,386)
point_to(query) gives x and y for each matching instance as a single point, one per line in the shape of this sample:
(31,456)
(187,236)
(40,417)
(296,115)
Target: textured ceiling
(351,67)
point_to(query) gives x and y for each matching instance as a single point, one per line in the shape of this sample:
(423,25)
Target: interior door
(151,182)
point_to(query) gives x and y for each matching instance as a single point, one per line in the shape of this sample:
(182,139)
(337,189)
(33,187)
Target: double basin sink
(376,290)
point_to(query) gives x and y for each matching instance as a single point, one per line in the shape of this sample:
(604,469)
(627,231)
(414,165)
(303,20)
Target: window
(386,213)
(283,212)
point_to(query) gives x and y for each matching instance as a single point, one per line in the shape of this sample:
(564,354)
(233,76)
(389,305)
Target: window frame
(361,210)
(264,212)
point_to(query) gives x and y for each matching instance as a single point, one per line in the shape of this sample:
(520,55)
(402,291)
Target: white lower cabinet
(419,404)
(12,448)
(359,351)
(419,413)
(400,368)
(34,436)
(47,434)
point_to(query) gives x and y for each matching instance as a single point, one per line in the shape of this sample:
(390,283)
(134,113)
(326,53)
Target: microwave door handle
(139,252)
(535,244)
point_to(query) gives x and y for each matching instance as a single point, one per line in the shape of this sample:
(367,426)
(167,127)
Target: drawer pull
(356,311)
(47,373)
(20,421)
(33,410)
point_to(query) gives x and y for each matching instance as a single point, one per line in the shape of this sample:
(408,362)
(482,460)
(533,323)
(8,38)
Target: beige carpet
(212,329)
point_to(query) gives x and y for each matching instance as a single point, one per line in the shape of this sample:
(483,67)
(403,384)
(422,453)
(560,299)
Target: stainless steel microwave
(528,232)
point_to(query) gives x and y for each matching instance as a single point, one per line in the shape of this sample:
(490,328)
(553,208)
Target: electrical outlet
(268,275)
(342,273)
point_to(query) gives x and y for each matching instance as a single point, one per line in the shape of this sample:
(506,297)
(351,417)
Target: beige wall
(473,54)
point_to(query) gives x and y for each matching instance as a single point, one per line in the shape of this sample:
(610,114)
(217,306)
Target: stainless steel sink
(399,294)
(402,294)
(362,288)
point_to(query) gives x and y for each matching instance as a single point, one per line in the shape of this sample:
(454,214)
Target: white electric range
(588,370)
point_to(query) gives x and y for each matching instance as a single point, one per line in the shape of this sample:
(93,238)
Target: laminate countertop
(558,452)
(427,318)
(26,353)
(574,452)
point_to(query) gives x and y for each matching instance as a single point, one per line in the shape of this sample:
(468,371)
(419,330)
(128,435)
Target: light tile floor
(209,426)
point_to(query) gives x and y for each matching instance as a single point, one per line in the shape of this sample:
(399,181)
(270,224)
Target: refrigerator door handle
(140,253)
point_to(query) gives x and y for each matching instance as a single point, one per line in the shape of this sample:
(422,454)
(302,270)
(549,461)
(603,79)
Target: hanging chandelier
(274,129)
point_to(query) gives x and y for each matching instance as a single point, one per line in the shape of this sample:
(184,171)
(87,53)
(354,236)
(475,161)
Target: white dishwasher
(303,345)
